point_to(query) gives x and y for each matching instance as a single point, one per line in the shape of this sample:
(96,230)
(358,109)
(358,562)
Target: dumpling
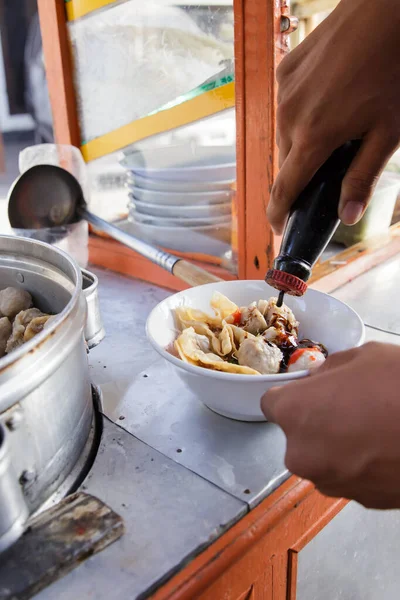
(280,337)
(35,326)
(263,306)
(223,307)
(281,316)
(261,356)
(5,332)
(252,320)
(21,322)
(12,301)
(186,316)
(239,335)
(196,349)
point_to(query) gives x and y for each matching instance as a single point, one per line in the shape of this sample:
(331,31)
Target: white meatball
(259,355)
(5,332)
(305,359)
(12,301)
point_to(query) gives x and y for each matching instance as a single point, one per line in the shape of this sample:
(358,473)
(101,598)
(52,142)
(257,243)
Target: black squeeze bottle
(311,224)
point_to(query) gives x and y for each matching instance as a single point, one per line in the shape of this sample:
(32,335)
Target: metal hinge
(289,23)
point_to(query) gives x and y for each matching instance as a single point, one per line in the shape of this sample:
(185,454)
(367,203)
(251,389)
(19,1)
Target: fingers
(338,359)
(281,403)
(297,170)
(269,404)
(363,175)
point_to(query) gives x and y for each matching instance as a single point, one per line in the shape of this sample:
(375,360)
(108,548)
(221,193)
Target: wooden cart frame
(257,558)
(259,47)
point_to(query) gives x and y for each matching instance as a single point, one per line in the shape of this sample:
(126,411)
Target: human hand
(341,83)
(342,425)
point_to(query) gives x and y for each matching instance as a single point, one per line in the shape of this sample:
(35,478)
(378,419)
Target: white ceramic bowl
(183,163)
(185,212)
(180,198)
(177,221)
(164,185)
(322,318)
(213,240)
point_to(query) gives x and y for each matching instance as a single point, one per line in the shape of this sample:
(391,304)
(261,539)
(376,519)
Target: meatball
(262,356)
(304,359)
(12,301)
(5,332)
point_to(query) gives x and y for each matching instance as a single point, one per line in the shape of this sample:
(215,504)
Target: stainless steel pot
(13,510)
(45,390)
(94,330)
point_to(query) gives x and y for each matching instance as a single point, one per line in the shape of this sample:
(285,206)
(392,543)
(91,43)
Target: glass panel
(156,103)
(135,57)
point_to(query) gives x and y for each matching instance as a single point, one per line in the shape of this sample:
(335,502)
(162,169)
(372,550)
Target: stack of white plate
(180,197)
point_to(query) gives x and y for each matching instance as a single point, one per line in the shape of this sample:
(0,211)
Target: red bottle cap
(285,282)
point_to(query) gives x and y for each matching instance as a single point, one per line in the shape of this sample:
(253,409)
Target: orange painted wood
(315,527)
(259,45)
(111,255)
(255,551)
(356,260)
(249,595)
(202,258)
(59,71)
(314,523)
(292,575)
(239,200)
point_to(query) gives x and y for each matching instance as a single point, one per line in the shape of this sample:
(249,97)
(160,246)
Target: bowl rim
(176,229)
(222,192)
(187,170)
(223,184)
(205,207)
(179,221)
(202,371)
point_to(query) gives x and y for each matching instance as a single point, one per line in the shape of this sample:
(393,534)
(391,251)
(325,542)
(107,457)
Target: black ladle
(46,196)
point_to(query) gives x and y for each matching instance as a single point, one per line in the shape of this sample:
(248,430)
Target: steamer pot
(45,389)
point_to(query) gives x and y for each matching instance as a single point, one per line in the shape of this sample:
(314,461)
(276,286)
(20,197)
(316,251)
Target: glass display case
(173,107)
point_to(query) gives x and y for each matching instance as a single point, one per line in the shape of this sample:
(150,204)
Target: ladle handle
(184,270)
(159,257)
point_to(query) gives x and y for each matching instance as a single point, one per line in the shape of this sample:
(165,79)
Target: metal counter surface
(170,515)
(177,473)
(375,296)
(142,393)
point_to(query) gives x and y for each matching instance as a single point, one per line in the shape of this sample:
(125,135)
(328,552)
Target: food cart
(208,509)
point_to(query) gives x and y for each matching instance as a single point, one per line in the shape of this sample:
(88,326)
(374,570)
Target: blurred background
(25,114)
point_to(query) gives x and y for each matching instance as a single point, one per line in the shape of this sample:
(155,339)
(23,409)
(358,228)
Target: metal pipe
(159,257)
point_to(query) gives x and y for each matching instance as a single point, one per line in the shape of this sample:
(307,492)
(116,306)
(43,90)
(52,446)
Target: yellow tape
(79,8)
(200,107)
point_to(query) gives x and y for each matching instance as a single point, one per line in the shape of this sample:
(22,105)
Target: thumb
(363,175)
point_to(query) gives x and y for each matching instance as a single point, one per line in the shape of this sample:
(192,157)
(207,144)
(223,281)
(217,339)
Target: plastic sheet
(133,58)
